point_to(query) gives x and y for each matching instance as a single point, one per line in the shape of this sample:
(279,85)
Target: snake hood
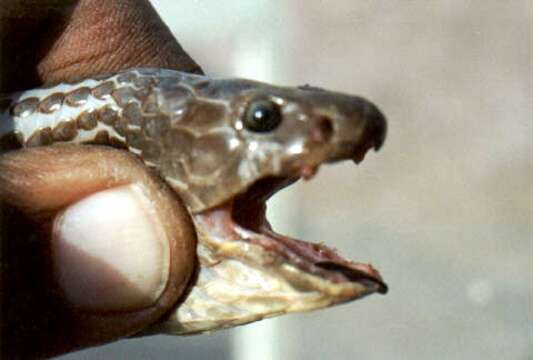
(225,146)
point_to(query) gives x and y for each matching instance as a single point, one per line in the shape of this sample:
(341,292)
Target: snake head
(247,140)
(242,131)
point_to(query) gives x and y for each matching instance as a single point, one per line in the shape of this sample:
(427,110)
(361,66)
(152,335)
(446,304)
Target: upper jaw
(341,133)
(356,136)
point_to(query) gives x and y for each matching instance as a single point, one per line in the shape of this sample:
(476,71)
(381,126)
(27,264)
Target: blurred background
(444,210)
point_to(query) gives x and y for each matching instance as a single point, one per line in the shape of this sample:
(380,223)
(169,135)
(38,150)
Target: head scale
(224,135)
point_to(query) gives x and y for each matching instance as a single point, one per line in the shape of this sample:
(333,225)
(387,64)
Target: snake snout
(376,127)
(373,133)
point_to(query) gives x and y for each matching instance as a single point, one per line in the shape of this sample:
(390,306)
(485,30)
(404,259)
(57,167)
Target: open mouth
(243,218)
(248,211)
(248,214)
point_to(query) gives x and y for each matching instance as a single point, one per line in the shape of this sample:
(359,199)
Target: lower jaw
(233,223)
(246,275)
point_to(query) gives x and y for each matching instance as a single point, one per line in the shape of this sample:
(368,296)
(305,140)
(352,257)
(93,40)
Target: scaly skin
(193,130)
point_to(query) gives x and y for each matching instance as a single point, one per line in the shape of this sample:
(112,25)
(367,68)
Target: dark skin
(62,41)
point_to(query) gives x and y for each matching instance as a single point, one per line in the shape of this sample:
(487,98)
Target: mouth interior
(248,211)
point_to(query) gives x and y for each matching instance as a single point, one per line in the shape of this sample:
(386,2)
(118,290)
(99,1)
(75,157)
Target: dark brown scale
(65,131)
(209,153)
(126,77)
(25,108)
(202,116)
(150,150)
(121,126)
(40,138)
(107,115)
(155,126)
(87,120)
(101,138)
(132,112)
(144,81)
(123,95)
(51,103)
(180,99)
(103,90)
(150,105)
(178,141)
(78,97)
(142,93)
(118,143)
(176,167)
(135,139)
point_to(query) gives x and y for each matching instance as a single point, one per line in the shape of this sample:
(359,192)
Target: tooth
(308,171)
(359,157)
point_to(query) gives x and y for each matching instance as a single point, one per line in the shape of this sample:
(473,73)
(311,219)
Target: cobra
(225,146)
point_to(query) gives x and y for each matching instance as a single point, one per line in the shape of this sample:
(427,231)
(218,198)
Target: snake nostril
(323,130)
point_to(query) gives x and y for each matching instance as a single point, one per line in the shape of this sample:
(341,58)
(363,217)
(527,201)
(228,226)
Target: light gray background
(445,210)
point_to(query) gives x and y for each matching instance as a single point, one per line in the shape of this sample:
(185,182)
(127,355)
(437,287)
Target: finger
(120,248)
(82,39)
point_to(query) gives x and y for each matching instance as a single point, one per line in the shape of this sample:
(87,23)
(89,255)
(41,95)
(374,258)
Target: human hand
(94,246)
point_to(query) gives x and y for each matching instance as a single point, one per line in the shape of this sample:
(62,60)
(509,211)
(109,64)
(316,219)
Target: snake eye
(262,116)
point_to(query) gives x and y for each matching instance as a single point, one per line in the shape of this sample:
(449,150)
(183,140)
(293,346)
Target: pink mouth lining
(244,218)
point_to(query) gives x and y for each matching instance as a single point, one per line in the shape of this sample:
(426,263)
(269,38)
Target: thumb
(96,248)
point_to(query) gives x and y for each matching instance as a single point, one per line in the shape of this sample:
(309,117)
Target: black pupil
(262,116)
